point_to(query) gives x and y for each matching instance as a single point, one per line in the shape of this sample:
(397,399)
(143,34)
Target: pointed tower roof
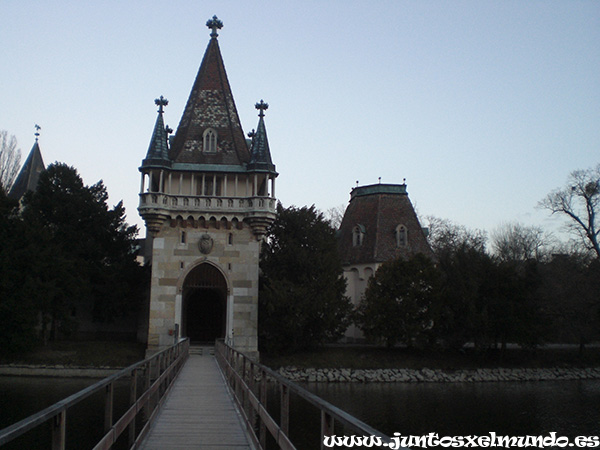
(210,108)
(158,150)
(260,155)
(29,175)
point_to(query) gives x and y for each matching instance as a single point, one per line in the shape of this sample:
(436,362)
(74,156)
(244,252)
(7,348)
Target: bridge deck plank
(199,412)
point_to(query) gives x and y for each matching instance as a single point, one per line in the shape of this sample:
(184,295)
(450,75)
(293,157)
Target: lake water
(569,408)
(22,396)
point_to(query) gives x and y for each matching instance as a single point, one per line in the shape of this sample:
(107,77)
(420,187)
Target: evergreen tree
(400,301)
(301,302)
(87,250)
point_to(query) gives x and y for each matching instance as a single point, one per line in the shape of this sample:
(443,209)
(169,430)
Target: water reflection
(22,396)
(570,408)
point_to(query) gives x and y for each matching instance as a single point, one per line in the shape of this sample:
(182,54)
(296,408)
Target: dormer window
(401,236)
(358,234)
(210,141)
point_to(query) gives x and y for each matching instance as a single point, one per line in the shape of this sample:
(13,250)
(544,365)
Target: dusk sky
(484,107)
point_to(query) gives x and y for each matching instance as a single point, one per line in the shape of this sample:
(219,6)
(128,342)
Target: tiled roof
(29,175)
(377,210)
(158,150)
(260,155)
(210,105)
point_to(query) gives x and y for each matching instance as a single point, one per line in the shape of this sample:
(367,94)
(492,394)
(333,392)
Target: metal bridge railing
(156,374)
(248,381)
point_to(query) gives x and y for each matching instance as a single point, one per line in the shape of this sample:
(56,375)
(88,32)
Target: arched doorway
(204,305)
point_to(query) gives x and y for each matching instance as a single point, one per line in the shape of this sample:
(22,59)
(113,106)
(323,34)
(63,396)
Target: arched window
(358,233)
(401,236)
(210,141)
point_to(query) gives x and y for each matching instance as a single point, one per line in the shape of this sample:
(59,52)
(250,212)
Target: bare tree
(518,242)
(335,214)
(10,160)
(444,235)
(579,200)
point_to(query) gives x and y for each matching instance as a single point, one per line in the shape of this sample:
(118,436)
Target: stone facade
(172,262)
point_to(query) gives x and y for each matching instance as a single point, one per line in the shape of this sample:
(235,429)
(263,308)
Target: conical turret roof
(210,106)
(158,150)
(29,175)
(260,155)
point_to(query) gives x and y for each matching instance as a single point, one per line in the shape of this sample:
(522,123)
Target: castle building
(379,224)
(207,196)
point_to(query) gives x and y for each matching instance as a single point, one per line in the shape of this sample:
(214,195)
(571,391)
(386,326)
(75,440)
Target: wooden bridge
(206,398)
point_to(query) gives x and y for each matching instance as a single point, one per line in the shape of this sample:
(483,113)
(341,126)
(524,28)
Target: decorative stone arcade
(207,196)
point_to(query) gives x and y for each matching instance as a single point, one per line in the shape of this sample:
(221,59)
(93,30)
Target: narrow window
(210,141)
(183,237)
(358,233)
(401,236)
(230,239)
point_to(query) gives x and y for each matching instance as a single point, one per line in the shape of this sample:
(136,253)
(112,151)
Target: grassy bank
(402,358)
(88,353)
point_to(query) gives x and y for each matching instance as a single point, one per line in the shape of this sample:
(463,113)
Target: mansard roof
(260,155)
(29,175)
(377,211)
(210,106)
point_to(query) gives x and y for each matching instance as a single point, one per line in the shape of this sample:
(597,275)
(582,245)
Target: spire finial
(37,131)
(262,106)
(214,24)
(161,102)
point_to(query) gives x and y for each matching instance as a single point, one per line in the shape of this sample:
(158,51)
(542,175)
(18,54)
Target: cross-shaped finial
(161,102)
(262,106)
(37,131)
(214,24)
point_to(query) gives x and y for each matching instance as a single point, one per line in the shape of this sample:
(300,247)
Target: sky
(484,107)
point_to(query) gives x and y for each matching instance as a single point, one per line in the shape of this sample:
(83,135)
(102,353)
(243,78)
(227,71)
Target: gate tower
(207,196)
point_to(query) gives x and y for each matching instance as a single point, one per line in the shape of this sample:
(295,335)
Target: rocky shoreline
(436,376)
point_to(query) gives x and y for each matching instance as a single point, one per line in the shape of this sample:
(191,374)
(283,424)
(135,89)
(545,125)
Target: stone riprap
(436,376)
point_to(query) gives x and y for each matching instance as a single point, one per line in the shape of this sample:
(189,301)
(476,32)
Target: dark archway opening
(204,304)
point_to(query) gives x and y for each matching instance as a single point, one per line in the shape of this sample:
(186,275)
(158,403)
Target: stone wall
(436,376)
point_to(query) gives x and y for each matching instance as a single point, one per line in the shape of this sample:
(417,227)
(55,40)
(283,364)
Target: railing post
(252,388)
(244,393)
(147,387)
(108,407)
(263,402)
(326,426)
(132,400)
(285,409)
(59,430)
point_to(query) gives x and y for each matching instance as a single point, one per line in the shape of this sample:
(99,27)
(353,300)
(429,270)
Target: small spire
(262,106)
(161,102)
(214,24)
(379,180)
(252,133)
(37,131)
